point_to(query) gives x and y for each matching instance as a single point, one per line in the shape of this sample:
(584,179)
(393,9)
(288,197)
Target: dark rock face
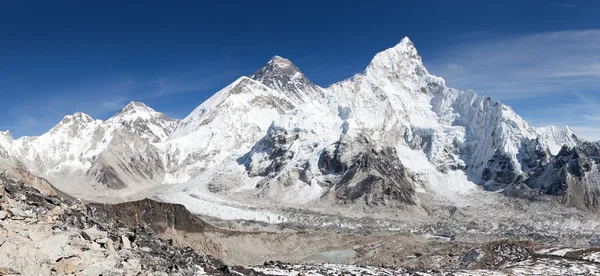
(367,174)
(156,215)
(330,160)
(572,176)
(378,178)
(500,172)
(533,155)
(275,146)
(282,75)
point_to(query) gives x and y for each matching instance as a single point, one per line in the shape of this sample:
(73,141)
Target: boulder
(93,234)
(126,242)
(17,213)
(68,265)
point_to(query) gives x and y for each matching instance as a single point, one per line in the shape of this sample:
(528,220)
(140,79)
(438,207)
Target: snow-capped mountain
(382,137)
(573,175)
(282,75)
(82,155)
(144,122)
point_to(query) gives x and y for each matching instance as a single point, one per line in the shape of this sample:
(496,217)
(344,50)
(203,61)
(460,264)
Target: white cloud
(525,66)
(550,78)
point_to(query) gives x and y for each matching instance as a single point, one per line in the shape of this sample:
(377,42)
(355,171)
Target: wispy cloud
(525,66)
(551,78)
(576,7)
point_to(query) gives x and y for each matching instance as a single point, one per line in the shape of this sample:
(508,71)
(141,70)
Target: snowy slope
(89,158)
(557,137)
(144,122)
(223,128)
(310,151)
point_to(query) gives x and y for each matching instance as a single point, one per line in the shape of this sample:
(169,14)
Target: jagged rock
(3,215)
(102,241)
(373,177)
(110,245)
(93,234)
(500,172)
(571,175)
(56,211)
(282,75)
(17,213)
(132,264)
(126,243)
(377,178)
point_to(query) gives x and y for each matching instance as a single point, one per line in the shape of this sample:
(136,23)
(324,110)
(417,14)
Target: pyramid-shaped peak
(282,75)
(405,46)
(403,58)
(135,110)
(280,62)
(406,41)
(135,106)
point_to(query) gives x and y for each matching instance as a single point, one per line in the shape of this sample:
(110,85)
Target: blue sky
(60,57)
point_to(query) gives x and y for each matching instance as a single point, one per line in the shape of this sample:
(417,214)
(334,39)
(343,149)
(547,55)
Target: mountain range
(388,137)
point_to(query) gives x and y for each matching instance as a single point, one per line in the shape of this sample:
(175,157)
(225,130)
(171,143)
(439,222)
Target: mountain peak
(402,59)
(7,135)
(144,121)
(405,41)
(78,117)
(136,106)
(133,111)
(281,62)
(282,75)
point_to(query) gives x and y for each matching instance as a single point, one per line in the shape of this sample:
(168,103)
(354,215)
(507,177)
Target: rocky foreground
(44,234)
(48,235)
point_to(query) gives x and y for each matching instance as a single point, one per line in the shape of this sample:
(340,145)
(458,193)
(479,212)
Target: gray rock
(110,245)
(3,215)
(93,234)
(126,242)
(17,213)
(2,240)
(95,246)
(102,241)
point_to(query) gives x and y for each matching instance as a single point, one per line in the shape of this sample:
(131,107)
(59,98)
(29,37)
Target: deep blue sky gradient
(59,57)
